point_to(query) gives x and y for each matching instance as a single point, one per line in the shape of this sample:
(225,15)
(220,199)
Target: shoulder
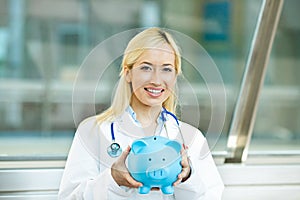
(91,123)
(88,128)
(88,134)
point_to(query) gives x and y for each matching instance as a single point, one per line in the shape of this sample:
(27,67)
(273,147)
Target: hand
(186,169)
(120,172)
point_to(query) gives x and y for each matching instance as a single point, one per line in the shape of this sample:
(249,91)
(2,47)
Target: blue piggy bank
(155,162)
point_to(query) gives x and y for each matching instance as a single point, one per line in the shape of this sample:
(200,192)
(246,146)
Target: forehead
(164,54)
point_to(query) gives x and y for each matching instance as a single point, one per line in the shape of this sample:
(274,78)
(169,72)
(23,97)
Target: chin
(154,103)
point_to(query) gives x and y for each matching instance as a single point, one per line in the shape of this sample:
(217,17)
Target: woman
(150,66)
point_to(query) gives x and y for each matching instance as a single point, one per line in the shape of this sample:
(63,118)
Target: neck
(146,115)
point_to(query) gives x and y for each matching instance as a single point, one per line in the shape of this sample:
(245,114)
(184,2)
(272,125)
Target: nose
(156,77)
(157,174)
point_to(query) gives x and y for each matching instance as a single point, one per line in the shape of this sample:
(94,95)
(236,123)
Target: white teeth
(154,91)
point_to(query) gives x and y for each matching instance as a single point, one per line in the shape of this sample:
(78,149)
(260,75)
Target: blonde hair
(149,38)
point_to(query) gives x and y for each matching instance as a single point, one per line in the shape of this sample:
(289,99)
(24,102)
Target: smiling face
(152,77)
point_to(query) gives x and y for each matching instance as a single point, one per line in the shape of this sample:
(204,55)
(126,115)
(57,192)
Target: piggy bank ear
(137,146)
(175,145)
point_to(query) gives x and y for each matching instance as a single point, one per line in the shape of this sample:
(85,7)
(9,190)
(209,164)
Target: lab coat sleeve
(83,178)
(205,182)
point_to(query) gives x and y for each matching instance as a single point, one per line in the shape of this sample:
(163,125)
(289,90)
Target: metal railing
(245,111)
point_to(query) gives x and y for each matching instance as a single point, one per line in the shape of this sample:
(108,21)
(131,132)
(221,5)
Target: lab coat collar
(131,112)
(128,124)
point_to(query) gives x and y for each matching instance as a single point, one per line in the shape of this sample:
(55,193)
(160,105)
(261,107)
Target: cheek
(140,79)
(137,83)
(171,82)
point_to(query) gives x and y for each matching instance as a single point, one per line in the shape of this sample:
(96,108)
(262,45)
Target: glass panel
(43,44)
(277,126)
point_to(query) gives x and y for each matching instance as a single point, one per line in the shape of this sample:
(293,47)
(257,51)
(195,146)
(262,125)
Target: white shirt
(87,173)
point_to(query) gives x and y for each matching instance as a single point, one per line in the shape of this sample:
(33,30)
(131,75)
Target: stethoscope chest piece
(114,150)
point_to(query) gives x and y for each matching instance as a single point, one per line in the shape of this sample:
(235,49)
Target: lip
(154,92)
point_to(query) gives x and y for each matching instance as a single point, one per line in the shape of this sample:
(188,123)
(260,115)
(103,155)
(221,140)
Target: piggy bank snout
(157,174)
(155,162)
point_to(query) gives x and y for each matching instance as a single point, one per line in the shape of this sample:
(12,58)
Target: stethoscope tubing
(114,150)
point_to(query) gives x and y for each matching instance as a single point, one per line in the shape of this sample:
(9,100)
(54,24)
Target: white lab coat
(87,173)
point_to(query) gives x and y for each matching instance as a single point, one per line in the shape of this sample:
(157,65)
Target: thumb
(125,154)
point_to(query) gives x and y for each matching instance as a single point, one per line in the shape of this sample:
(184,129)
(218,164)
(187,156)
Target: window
(43,46)
(277,125)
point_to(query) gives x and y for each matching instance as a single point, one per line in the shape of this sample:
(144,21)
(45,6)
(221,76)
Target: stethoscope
(115,150)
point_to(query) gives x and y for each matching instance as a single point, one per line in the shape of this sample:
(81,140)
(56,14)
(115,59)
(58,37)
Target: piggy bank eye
(163,159)
(149,159)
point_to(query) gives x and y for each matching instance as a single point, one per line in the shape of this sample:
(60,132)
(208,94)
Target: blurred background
(43,44)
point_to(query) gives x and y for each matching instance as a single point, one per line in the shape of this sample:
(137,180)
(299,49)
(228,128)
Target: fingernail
(128,148)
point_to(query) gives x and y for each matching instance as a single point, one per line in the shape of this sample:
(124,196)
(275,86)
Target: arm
(84,177)
(80,173)
(205,182)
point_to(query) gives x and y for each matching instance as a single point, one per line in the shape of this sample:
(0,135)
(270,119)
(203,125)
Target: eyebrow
(148,63)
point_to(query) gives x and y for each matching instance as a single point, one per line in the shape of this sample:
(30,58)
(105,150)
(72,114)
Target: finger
(184,173)
(128,148)
(183,152)
(184,146)
(133,183)
(177,182)
(184,163)
(120,163)
(124,154)
(179,178)
(184,158)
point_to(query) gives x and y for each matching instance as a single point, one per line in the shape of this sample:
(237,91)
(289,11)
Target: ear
(127,74)
(175,145)
(137,146)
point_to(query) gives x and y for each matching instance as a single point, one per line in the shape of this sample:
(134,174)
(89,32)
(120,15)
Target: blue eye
(167,69)
(146,68)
